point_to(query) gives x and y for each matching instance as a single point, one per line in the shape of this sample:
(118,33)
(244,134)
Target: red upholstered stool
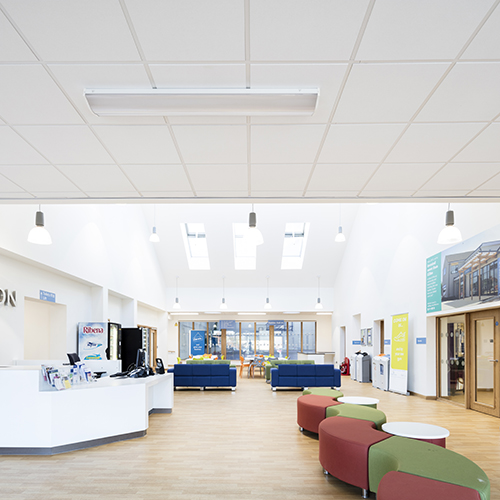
(343,448)
(396,485)
(311,410)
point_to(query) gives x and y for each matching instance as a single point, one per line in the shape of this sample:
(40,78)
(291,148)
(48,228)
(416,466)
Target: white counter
(34,421)
(320,358)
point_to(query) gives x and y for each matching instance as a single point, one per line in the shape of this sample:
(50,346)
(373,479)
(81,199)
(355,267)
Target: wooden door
(484,361)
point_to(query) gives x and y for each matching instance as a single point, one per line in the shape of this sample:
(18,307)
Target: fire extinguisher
(345,367)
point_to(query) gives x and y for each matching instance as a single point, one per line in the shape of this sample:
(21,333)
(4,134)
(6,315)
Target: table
(416,430)
(359,400)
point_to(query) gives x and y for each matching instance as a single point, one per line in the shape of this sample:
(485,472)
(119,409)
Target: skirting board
(160,410)
(71,447)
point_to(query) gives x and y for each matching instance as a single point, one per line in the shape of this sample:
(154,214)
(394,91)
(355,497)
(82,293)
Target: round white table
(359,400)
(417,430)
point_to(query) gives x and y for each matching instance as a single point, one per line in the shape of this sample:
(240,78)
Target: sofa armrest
(170,370)
(274,377)
(232,377)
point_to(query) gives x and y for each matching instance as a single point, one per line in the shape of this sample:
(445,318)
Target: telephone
(138,373)
(160,369)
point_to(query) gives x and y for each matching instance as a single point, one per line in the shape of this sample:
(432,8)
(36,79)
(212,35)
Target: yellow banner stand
(399,354)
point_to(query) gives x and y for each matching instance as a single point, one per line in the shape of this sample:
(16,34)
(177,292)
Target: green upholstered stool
(323,391)
(424,460)
(357,411)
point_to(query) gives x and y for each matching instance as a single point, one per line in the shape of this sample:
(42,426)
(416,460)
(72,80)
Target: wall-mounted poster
(464,274)
(399,354)
(92,340)
(369,339)
(363,336)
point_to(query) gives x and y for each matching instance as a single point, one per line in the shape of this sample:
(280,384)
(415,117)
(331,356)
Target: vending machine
(114,350)
(132,340)
(92,341)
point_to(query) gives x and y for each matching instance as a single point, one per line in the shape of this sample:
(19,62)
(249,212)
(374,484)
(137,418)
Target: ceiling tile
(113,194)
(17,196)
(7,186)
(15,150)
(385,193)
(212,144)
(358,143)
(223,178)
(492,184)
(189,30)
(316,30)
(443,193)
(167,194)
(74,31)
(285,143)
(284,177)
(462,176)
(158,178)
(12,46)
(340,177)
(432,142)
(325,77)
(420,29)
(386,92)
(59,195)
(139,144)
(495,193)
(196,76)
(75,78)
(320,193)
(97,177)
(486,44)
(37,178)
(468,93)
(401,177)
(66,145)
(486,147)
(29,96)
(222,194)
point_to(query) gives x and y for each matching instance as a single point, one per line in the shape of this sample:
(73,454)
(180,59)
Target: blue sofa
(305,376)
(204,375)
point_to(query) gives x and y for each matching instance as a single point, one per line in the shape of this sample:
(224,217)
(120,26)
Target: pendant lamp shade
(319,305)
(223,304)
(268,305)
(340,237)
(254,236)
(176,305)
(39,235)
(450,234)
(154,238)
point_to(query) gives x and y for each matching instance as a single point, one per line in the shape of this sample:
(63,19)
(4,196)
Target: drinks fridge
(114,350)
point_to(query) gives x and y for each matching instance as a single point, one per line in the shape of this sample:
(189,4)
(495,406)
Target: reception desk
(37,420)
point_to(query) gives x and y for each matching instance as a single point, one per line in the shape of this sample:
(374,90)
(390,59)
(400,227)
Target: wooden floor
(219,445)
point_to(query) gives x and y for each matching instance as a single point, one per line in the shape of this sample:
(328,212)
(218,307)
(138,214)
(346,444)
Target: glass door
(485,360)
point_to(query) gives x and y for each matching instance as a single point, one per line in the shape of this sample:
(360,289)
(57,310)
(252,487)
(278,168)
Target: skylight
(245,255)
(294,245)
(195,244)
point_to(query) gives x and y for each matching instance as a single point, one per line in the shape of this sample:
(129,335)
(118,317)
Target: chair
(242,365)
(258,363)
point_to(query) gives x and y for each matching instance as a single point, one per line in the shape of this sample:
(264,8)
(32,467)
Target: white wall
(383,273)
(95,248)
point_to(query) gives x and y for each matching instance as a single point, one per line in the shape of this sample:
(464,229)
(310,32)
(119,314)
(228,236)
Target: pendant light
(154,238)
(319,305)
(267,305)
(223,304)
(450,233)
(340,238)
(254,236)
(39,234)
(176,303)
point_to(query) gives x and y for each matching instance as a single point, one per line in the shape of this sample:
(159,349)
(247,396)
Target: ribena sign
(88,329)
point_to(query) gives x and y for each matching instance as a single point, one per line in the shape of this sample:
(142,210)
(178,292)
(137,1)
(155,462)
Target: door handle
(493,360)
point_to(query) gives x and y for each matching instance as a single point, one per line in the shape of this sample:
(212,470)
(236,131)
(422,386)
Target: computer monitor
(140,361)
(73,357)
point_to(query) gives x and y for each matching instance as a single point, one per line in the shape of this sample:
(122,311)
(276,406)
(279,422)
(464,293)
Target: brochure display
(92,340)
(399,354)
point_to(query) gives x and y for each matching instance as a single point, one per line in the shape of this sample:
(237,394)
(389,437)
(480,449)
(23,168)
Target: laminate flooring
(220,445)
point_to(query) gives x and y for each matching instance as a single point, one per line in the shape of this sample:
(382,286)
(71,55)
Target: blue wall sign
(356,342)
(387,341)
(47,296)
(421,340)
(197,342)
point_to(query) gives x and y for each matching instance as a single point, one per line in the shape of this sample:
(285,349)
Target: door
(485,345)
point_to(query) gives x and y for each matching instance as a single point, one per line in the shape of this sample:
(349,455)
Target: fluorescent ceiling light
(211,312)
(291,312)
(324,314)
(202,102)
(251,314)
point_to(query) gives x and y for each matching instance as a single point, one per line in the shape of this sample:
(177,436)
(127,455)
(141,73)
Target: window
(309,337)
(245,255)
(195,245)
(294,245)
(247,339)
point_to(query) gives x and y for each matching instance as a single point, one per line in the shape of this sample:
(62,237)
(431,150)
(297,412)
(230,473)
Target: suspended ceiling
(409,100)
